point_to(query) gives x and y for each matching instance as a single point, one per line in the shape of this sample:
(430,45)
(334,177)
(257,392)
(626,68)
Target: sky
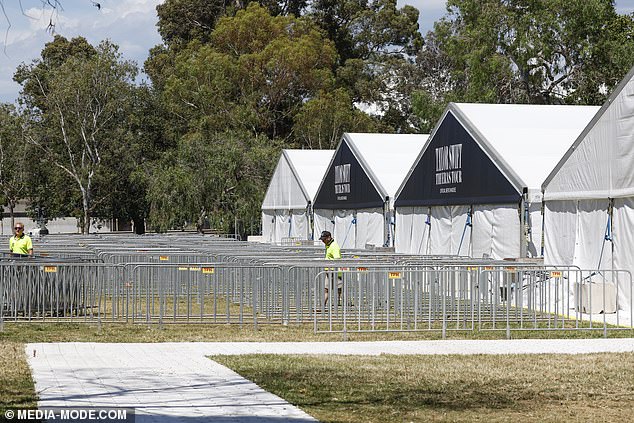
(129,23)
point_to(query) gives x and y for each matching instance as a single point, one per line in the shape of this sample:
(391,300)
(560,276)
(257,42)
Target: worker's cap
(324,235)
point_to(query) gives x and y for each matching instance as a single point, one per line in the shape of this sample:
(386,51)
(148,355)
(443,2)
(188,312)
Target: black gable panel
(455,170)
(346,185)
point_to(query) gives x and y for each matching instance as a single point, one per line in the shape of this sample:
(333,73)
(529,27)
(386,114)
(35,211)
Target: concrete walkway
(176,382)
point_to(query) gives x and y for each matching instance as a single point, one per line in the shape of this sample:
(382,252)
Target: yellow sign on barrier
(183,268)
(50,269)
(394,275)
(163,258)
(194,269)
(511,269)
(472,268)
(208,270)
(488,267)
(555,274)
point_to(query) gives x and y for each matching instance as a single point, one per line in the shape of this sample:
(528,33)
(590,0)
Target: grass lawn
(336,388)
(508,388)
(16,385)
(120,332)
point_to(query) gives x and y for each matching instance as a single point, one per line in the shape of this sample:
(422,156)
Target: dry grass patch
(26,332)
(17,389)
(507,388)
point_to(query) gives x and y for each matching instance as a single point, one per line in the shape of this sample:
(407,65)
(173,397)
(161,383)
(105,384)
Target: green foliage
(523,51)
(182,21)
(376,42)
(215,177)
(322,120)
(247,79)
(526,51)
(78,129)
(36,77)
(14,156)
(428,110)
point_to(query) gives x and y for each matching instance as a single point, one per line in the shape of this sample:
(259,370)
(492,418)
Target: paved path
(176,382)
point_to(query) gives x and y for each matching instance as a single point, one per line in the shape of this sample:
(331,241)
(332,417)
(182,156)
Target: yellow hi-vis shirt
(333,252)
(20,245)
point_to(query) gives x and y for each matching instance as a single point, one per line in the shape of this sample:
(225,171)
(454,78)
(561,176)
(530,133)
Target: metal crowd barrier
(198,279)
(483,298)
(40,290)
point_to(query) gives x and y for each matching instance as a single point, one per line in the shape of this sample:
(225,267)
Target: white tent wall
(447,229)
(299,227)
(597,167)
(370,228)
(496,231)
(345,231)
(323,221)
(280,224)
(412,230)
(560,232)
(268,226)
(290,191)
(284,191)
(592,251)
(623,239)
(575,231)
(404,236)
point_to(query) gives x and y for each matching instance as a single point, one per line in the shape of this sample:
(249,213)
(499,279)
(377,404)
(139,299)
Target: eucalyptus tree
(77,120)
(376,42)
(214,177)
(533,51)
(234,99)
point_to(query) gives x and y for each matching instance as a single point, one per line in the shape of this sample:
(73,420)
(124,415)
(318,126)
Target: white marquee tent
(355,199)
(287,205)
(589,195)
(474,190)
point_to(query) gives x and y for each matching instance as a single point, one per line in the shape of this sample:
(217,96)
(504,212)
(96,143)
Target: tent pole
(524,224)
(389,242)
(311,221)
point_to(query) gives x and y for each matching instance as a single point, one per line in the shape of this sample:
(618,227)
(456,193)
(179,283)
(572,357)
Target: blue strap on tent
(290,224)
(467,223)
(353,222)
(427,224)
(608,234)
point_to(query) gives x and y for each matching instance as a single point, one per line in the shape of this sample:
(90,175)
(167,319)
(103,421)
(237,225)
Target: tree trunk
(85,230)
